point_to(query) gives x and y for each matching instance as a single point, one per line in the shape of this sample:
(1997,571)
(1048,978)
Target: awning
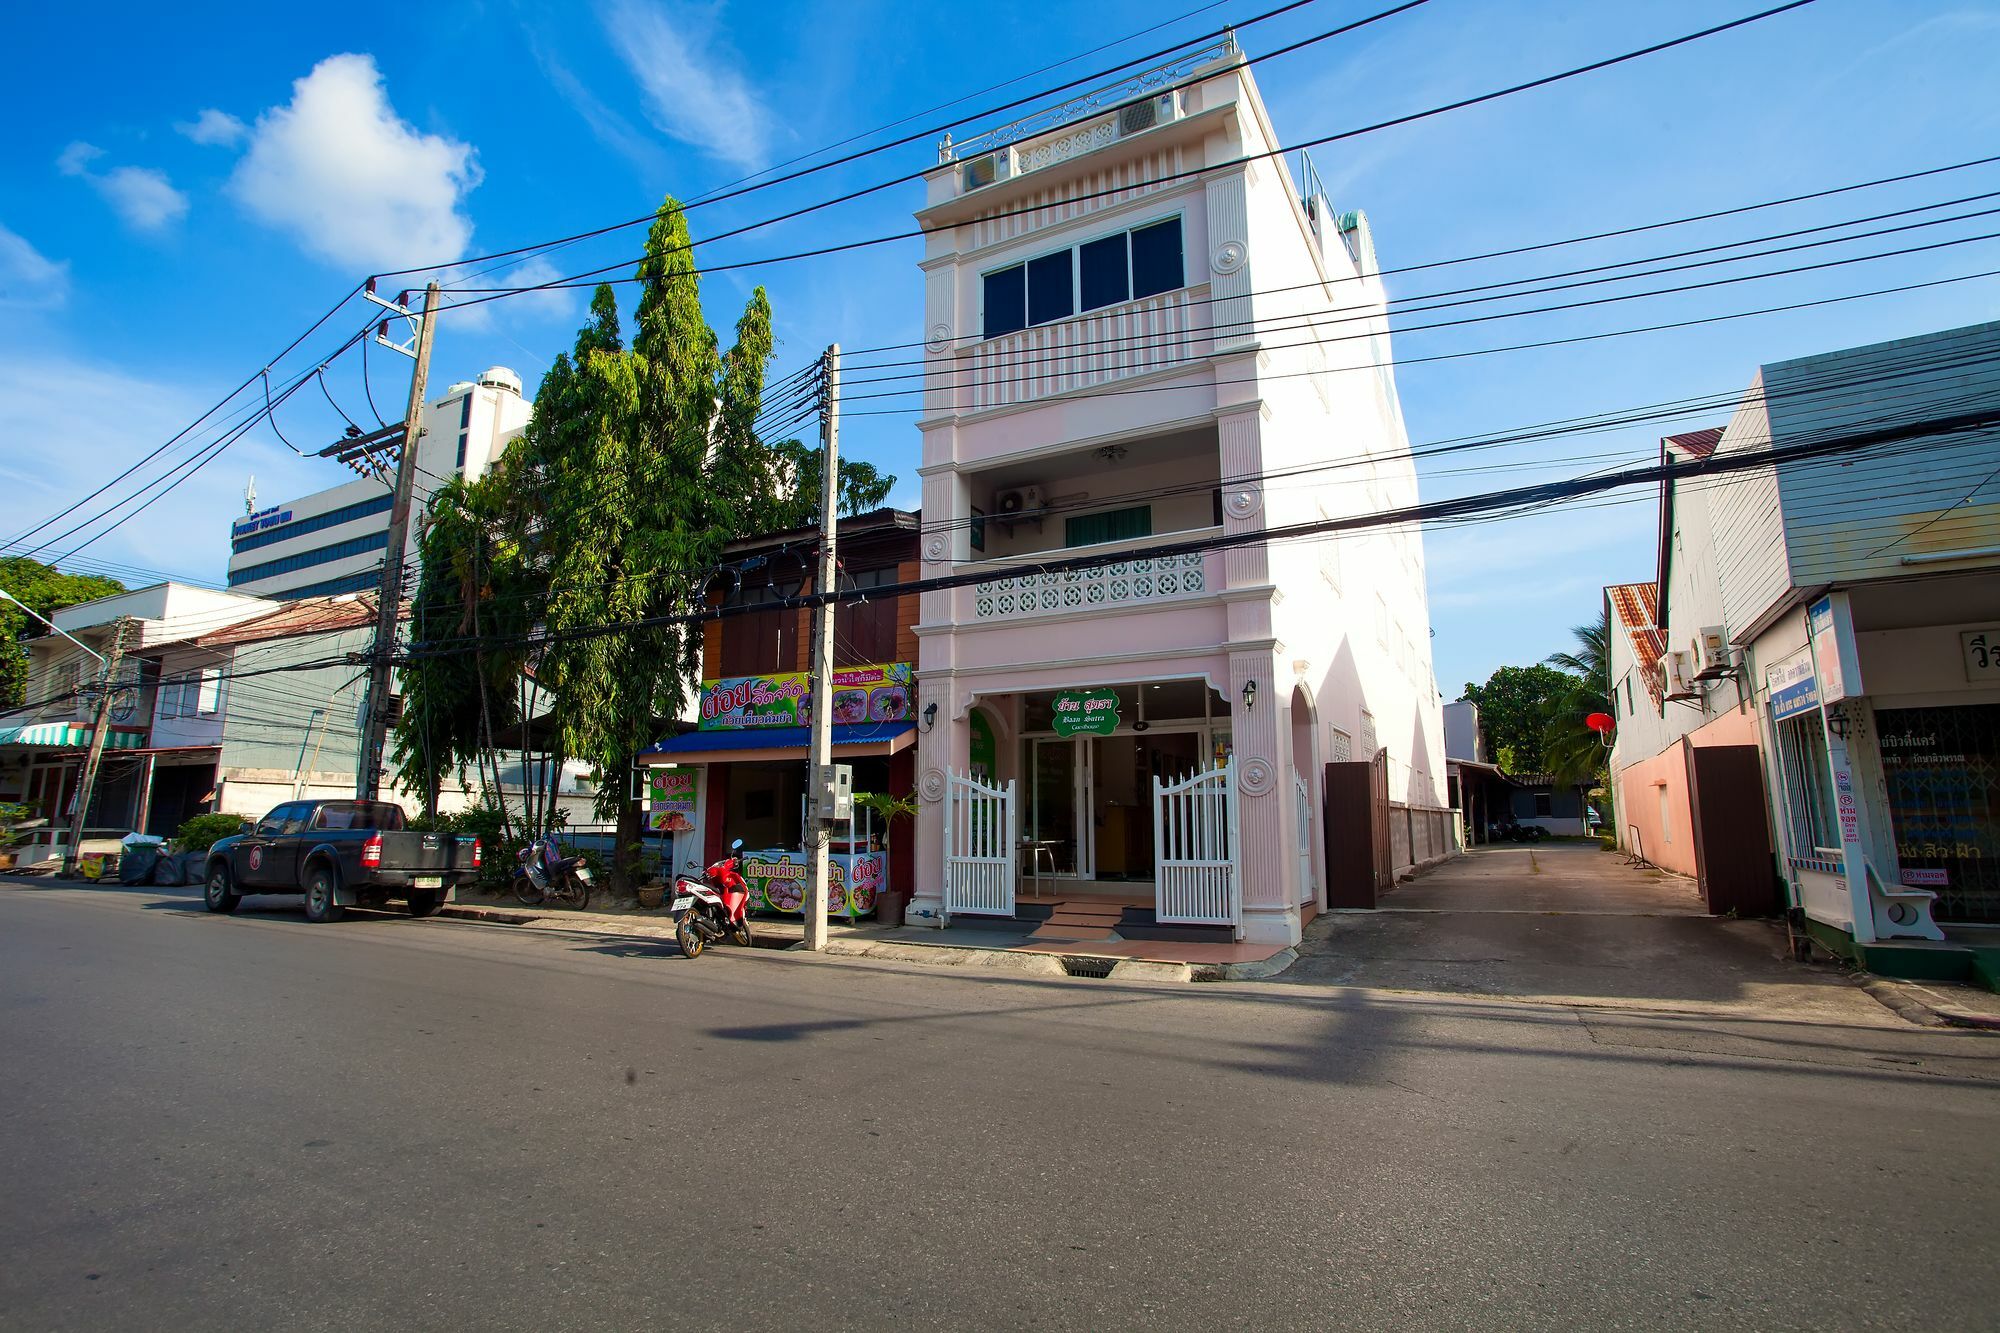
(850,739)
(57,734)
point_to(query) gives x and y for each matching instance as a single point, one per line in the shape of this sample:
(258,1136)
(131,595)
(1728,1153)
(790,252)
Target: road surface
(252,1121)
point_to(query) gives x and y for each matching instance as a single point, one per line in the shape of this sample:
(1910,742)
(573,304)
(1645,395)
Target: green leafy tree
(862,487)
(45,590)
(1515,705)
(1573,752)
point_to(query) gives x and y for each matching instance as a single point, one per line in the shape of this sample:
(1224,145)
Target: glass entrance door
(1121,795)
(1055,845)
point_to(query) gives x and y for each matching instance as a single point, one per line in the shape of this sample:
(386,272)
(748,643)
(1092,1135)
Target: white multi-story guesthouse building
(331,542)
(1143,334)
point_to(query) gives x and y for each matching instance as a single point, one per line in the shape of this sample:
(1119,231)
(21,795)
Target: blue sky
(178,206)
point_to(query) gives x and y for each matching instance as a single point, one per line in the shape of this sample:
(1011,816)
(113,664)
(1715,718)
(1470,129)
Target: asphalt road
(252,1121)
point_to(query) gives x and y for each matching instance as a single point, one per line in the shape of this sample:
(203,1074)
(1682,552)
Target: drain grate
(1089,967)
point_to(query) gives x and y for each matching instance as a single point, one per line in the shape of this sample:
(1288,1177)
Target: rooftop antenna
(250,495)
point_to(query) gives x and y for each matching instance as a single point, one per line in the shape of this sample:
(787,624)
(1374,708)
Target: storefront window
(1942,767)
(1808,783)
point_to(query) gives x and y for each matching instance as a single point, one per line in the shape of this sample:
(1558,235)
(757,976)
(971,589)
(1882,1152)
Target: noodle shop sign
(1085,713)
(878,693)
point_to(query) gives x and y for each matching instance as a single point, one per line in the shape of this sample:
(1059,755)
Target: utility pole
(389,597)
(821,775)
(107,692)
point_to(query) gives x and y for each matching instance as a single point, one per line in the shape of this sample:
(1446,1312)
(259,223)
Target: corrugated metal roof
(1637,606)
(308,615)
(1695,443)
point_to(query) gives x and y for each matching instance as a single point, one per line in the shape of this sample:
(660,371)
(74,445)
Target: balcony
(1144,579)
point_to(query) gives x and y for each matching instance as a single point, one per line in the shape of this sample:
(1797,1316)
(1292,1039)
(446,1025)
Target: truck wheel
(425,904)
(217,896)
(322,894)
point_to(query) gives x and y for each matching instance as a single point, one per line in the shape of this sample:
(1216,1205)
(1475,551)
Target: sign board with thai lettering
(878,693)
(1085,713)
(1982,655)
(670,799)
(1794,689)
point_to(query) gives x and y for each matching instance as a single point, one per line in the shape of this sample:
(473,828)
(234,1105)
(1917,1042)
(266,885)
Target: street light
(57,628)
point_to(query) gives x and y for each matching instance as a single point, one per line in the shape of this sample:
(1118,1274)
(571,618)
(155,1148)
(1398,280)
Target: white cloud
(28,278)
(216,129)
(693,88)
(142,196)
(350,179)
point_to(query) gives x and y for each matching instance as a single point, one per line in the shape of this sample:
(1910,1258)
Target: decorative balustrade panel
(1150,579)
(1124,341)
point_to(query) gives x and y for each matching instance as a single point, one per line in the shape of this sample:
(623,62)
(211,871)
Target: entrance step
(1079,921)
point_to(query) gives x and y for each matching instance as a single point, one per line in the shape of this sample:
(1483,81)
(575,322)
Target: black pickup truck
(339,854)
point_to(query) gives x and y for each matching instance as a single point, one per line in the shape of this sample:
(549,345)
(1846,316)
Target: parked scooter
(543,874)
(714,905)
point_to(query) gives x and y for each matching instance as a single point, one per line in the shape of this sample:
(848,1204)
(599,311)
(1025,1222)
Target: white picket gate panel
(980,847)
(1196,879)
(1302,799)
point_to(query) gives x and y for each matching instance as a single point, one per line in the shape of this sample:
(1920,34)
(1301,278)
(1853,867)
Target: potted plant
(889,904)
(12,819)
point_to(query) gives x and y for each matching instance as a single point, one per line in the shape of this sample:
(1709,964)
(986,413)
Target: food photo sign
(670,800)
(777,881)
(877,693)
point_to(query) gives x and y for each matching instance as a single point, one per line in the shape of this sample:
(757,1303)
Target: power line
(590,277)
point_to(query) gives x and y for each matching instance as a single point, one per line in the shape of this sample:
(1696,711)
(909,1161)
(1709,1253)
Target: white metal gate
(1302,799)
(979,847)
(1194,849)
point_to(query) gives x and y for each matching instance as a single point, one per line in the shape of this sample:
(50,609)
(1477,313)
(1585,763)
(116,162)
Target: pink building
(1148,339)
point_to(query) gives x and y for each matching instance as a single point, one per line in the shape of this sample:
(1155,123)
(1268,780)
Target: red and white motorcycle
(714,905)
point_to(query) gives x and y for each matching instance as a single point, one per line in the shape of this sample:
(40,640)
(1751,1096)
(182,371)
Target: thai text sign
(777,881)
(879,693)
(1793,687)
(1085,713)
(670,799)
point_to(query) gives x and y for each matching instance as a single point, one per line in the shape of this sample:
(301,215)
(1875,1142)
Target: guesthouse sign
(1085,713)
(878,693)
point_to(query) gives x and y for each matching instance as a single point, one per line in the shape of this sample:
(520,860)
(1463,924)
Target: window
(307,559)
(1113,525)
(1051,289)
(461,451)
(1091,276)
(976,530)
(1808,783)
(332,518)
(208,694)
(174,699)
(274,823)
(1628,692)
(1156,258)
(864,632)
(1102,272)
(1666,824)
(1545,805)
(1006,301)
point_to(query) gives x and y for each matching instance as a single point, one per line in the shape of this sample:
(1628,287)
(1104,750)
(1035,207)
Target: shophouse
(741,772)
(1840,613)
(1148,345)
(161,746)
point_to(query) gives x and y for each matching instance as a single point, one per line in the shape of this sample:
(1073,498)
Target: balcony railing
(1098,99)
(1136,338)
(1123,583)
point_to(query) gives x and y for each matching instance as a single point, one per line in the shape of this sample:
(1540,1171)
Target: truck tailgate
(424,851)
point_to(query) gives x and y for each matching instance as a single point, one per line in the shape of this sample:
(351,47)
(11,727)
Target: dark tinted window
(1156,258)
(1006,301)
(274,823)
(1051,291)
(1111,526)
(1101,266)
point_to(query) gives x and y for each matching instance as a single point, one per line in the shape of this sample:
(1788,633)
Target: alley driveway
(1569,923)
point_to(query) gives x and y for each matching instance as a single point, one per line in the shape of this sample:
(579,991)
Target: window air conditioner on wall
(1137,117)
(1711,653)
(1680,676)
(978,172)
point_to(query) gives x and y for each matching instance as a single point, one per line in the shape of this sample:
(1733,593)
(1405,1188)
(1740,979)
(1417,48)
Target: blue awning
(723,746)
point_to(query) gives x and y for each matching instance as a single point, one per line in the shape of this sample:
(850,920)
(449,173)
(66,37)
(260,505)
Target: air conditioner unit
(1679,670)
(1016,505)
(1711,653)
(976,173)
(1138,117)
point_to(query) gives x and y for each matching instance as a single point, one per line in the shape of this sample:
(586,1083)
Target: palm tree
(1575,754)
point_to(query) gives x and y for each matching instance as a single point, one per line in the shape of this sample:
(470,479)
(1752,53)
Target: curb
(1925,1007)
(1261,970)
(945,955)
(505,918)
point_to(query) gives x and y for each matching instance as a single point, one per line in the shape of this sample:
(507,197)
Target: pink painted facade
(1254,392)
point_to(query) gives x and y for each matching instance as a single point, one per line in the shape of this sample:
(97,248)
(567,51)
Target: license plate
(682,903)
(583,873)
(427,881)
